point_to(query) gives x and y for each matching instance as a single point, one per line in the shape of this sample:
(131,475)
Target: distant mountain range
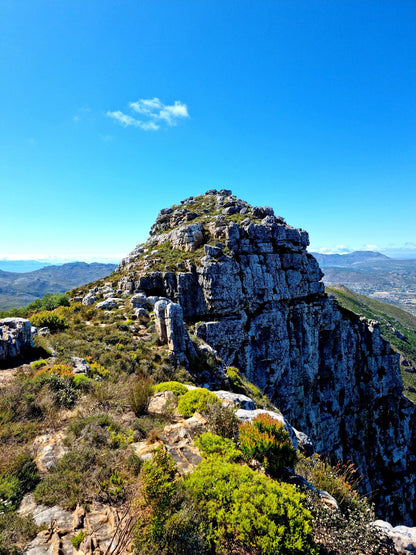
(21,288)
(374,275)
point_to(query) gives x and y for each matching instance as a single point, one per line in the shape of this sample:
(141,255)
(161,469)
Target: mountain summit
(247,286)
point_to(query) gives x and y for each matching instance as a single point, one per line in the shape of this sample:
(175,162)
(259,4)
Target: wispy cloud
(153,114)
(81,112)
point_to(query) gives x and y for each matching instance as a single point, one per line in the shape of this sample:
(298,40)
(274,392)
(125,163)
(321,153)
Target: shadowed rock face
(15,338)
(259,302)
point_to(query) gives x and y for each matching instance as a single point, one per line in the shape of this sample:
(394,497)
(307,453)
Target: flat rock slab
(43,514)
(48,449)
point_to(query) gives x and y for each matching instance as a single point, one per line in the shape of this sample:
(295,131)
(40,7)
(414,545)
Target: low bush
(21,477)
(15,533)
(77,477)
(53,388)
(240,384)
(340,480)
(38,364)
(196,400)
(63,370)
(236,383)
(245,511)
(46,319)
(140,396)
(222,421)
(79,538)
(96,370)
(176,387)
(49,302)
(338,533)
(168,522)
(266,440)
(212,445)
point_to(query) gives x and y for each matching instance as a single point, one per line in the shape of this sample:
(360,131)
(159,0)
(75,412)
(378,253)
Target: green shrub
(222,421)
(49,302)
(236,383)
(21,477)
(9,493)
(77,425)
(158,481)
(176,387)
(196,400)
(46,319)
(58,391)
(96,370)
(38,364)
(15,533)
(77,477)
(240,384)
(82,382)
(79,538)
(266,440)
(340,480)
(114,487)
(140,396)
(168,522)
(212,445)
(248,512)
(338,533)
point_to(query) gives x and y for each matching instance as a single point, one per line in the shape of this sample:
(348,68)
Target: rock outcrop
(15,338)
(253,292)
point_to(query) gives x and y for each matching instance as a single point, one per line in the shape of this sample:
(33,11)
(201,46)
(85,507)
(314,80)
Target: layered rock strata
(254,294)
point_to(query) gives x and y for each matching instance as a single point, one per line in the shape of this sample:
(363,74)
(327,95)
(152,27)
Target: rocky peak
(248,287)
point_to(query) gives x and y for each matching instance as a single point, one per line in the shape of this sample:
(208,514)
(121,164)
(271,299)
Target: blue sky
(112,110)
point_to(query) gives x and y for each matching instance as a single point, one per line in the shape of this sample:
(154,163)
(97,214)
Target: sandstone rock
(80,366)
(89,299)
(139,300)
(178,441)
(109,303)
(264,310)
(171,331)
(236,399)
(187,238)
(305,444)
(141,314)
(15,337)
(48,449)
(160,402)
(45,515)
(404,538)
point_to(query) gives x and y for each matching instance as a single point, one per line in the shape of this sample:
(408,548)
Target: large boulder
(15,337)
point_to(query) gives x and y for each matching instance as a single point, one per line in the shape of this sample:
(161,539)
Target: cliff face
(246,282)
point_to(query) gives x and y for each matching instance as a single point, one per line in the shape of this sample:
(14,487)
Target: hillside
(397,326)
(373,275)
(21,288)
(202,399)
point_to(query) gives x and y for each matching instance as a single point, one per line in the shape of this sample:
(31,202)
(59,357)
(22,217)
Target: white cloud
(153,113)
